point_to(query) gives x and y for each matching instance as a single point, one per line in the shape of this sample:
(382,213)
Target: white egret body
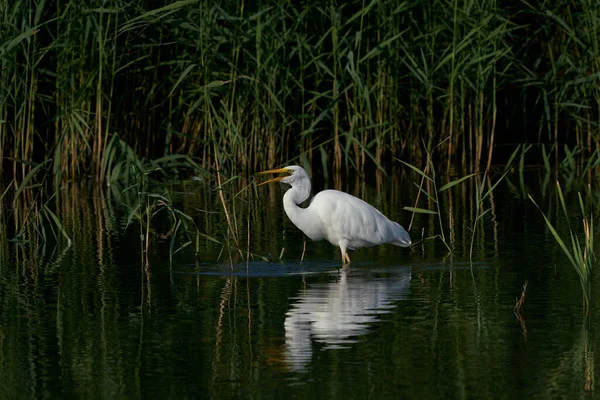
(344,220)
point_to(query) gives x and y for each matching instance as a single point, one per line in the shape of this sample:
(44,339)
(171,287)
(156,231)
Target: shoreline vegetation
(125,96)
(337,86)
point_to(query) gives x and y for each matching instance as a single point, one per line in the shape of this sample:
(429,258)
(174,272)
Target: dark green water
(92,321)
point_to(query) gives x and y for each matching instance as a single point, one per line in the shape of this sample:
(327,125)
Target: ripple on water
(261,269)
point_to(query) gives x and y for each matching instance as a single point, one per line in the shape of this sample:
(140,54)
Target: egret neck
(296,195)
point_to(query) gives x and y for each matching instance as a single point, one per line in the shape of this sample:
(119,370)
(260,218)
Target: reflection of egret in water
(335,313)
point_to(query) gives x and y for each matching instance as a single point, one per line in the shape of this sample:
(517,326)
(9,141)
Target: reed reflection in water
(337,313)
(93,320)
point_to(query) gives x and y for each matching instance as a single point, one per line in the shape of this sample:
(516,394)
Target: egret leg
(303,250)
(345,256)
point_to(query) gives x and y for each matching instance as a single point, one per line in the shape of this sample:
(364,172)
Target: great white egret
(344,220)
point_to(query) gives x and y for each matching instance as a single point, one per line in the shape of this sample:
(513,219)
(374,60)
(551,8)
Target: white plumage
(337,313)
(344,220)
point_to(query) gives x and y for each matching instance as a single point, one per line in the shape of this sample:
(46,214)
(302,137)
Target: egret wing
(354,220)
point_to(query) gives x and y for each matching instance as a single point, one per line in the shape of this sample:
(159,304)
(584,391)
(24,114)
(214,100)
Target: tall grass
(579,252)
(564,68)
(343,85)
(428,187)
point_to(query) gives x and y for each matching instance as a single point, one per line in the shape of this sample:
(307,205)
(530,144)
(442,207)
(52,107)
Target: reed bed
(123,93)
(334,85)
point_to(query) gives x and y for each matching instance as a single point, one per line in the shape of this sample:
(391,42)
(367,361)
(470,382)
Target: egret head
(292,174)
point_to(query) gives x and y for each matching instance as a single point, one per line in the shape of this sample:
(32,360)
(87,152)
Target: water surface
(94,321)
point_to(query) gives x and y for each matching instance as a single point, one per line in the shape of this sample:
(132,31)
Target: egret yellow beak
(274,171)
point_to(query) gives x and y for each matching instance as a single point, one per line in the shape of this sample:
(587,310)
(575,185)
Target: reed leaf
(455,182)
(580,255)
